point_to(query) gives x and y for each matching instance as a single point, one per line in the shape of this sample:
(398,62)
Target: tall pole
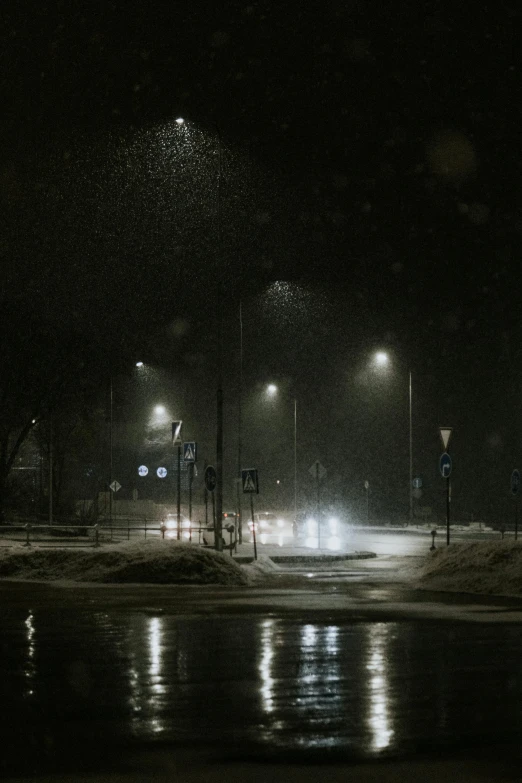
(50,468)
(178,500)
(219,394)
(318,505)
(240,425)
(448,498)
(191,475)
(110,449)
(295,459)
(411,453)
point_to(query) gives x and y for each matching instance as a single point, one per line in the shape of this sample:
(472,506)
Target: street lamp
(219,312)
(382,360)
(272,390)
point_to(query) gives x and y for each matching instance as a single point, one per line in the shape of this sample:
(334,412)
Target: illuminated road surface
(347,672)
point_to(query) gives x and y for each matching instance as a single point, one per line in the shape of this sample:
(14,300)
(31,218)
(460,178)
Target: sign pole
(206,513)
(515,485)
(191,476)
(318,506)
(179,494)
(448,494)
(253,524)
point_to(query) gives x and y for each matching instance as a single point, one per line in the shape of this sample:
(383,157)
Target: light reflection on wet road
(80,682)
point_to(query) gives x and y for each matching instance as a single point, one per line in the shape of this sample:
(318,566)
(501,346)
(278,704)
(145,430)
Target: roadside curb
(245,560)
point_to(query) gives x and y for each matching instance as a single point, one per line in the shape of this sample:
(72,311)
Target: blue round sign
(445,465)
(515,482)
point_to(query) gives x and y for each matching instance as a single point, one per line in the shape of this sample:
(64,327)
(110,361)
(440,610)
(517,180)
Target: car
(229,517)
(171,523)
(305,526)
(267,522)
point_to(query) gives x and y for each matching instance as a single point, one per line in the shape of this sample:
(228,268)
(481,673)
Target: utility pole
(50,468)
(239,534)
(178,499)
(318,505)
(219,395)
(295,459)
(110,449)
(411,454)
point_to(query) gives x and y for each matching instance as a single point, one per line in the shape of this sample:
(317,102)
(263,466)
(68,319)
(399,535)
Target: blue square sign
(190,449)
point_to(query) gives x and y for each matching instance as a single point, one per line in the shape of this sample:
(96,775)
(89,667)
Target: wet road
(94,672)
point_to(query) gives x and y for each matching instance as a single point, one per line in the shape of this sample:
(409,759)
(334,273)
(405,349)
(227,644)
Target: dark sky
(371,155)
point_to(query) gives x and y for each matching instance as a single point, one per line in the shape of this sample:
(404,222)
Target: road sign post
(190,480)
(250,482)
(515,486)
(178,498)
(448,501)
(190,449)
(176,441)
(445,466)
(367,488)
(210,486)
(253,525)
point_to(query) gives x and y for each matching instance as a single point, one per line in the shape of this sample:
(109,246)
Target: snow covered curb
(258,569)
(492,568)
(146,562)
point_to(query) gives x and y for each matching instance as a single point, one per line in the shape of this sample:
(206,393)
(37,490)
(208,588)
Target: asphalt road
(306,671)
(382,541)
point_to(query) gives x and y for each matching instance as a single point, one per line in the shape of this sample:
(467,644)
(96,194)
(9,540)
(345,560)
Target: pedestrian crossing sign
(250,481)
(190,449)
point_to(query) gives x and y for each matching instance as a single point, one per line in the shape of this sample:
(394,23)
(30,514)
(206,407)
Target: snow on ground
(150,561)
(482,567)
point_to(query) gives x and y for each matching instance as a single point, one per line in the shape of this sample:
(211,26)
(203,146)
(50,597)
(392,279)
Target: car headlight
(170,523)
(186,523)
(311,525)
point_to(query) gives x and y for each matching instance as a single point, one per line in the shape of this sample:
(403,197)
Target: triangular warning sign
(249,485)
(189,453)
(445,434)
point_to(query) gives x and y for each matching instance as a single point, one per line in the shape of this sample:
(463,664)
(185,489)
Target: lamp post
(218,494)
(272,391)
(382,360)
(239,533)
(219,394)
(111,439)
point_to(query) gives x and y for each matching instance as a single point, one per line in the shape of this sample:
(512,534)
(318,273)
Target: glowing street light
(180,120)
(271,389)
(381,359)
(139,364)
(159,410)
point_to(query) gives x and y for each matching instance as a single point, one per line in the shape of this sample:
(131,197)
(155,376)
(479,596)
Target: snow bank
(259,569)
(492,567)
(153,562)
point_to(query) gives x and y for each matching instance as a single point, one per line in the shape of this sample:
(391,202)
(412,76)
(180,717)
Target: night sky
(370,199)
